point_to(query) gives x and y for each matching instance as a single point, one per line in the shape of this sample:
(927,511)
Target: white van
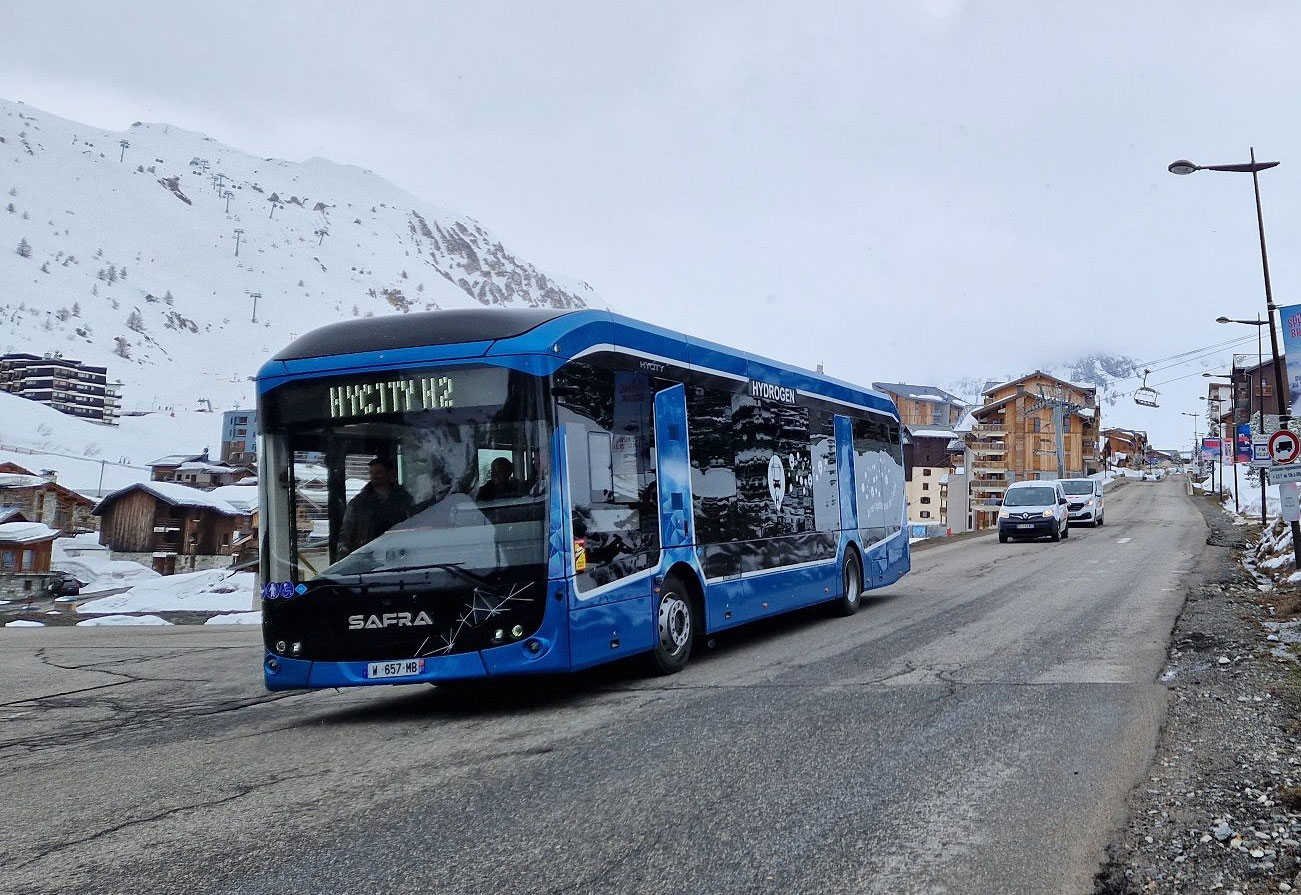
(1084,500)
(1033,509)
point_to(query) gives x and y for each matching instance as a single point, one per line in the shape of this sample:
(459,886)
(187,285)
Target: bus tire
(675,627)
(851,587)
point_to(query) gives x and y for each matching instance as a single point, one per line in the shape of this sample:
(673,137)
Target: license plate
(399,668)
(1025,526)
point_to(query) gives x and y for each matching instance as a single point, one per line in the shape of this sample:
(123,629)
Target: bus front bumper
(531,656)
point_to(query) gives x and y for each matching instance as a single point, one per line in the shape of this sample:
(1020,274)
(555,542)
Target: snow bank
(212,590)
(99,573)
(23,623)
(122,620)
(237,618)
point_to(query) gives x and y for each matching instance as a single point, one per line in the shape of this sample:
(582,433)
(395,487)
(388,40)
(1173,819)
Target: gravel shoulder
(1221,808)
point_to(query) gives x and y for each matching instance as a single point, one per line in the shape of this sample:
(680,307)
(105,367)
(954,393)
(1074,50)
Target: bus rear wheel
(675,627)
(851,582)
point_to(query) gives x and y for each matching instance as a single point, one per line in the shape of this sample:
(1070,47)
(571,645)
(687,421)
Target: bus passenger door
(674,470)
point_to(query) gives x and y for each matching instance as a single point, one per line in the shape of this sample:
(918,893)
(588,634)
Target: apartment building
(1034,427)
(924,406)
(239,437)
(927,465)
(67,385)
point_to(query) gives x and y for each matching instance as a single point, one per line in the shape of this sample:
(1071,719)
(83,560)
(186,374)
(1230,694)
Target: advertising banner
(1210,449)
(1242,451)
(1291,318)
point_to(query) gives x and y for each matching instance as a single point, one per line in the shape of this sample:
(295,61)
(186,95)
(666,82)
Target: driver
(501,483)
(379,506)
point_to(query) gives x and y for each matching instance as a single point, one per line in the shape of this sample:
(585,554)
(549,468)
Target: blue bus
(473,493)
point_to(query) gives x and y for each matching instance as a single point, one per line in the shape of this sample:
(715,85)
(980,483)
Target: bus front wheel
(675,624)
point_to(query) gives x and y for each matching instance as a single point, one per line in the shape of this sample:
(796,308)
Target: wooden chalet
(167,517)
(42,499)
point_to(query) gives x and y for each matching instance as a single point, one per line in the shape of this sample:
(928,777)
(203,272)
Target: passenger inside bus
(379,506)
(502,482)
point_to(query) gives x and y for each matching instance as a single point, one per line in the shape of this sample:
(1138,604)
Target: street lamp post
(1183,166)
(1258,393)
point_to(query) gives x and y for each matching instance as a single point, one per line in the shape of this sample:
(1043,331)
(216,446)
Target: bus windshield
(440,470)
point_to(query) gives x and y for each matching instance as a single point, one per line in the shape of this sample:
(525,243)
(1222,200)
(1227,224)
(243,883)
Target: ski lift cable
(1179,360)
(1162,382)
(1233,341)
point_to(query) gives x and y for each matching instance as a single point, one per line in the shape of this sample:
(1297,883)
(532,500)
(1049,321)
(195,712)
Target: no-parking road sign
(1284,446)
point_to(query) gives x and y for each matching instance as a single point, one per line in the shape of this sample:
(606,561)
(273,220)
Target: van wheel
(851,584)
(1066,529)
(675,627)
(1057,533)
(1002,538)
(1100,521)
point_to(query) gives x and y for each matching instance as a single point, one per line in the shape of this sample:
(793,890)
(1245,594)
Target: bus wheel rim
(852,590)
(674,623)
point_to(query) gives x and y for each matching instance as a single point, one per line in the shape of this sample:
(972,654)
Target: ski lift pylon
(1145,395)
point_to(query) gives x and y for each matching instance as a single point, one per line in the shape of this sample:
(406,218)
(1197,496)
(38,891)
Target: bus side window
(610,436)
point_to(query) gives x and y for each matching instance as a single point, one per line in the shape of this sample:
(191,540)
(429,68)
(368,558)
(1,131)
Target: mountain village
(97,327)
(710,498)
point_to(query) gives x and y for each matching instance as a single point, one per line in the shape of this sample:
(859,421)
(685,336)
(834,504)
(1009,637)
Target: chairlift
(1146,396)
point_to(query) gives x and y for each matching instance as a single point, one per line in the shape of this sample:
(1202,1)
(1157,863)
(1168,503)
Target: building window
(1038,423)
(925,500)
(925,514)
(926,472)
(926,486)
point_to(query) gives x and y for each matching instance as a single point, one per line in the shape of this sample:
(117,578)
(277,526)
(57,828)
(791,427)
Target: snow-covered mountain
(182,264)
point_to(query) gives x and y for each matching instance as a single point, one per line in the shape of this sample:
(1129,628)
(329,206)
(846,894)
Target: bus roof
(548,336)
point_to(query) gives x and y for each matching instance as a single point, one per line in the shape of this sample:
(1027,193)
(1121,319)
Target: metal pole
(1284,417)
(1260,402)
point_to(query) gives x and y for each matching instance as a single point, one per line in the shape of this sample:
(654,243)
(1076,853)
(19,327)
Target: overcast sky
(908,191)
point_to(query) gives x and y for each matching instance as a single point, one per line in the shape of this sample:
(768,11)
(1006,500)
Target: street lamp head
(1223,320)
(1182,166)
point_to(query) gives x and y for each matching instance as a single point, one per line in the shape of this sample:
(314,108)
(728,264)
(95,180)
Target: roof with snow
(241,497)
(12,481)
(174,493)
(933,433)
(26,533)
(918,392)
(178,459)
(12,514)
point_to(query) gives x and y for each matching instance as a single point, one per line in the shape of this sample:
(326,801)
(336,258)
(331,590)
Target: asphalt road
(974,729)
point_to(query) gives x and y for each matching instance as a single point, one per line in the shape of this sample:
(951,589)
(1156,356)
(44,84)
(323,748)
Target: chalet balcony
(996,448)
(996,468)
(989,485)
(999,428)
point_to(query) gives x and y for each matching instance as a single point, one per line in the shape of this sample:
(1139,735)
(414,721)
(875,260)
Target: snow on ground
(23,623)
(237,618)
(213,590)
(115,620)
(1248,491)
(94,569)
(86,454)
